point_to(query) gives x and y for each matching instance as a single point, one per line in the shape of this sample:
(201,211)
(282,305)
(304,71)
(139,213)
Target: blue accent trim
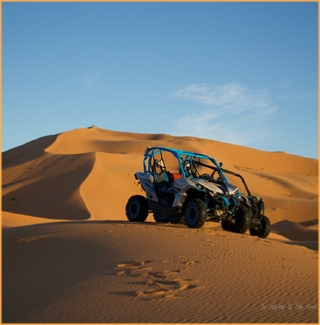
(150,152)
(234,201)
(227,203)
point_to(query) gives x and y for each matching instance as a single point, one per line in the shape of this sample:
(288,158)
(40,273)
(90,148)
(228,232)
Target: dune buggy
(191,188)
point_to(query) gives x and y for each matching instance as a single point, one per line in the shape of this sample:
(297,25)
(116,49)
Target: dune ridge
(70,255)
(88,173)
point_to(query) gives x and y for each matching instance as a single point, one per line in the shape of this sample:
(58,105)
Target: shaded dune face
(88,173)
(48,187)
(27,152)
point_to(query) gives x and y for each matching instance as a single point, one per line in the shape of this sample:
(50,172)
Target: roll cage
(183,157)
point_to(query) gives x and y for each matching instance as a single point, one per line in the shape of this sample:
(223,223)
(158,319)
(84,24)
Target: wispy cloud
(294,96)
(90,80)
(230,113)
(287,87)
(286,84)
(157,94)
(233,97)
(93,79)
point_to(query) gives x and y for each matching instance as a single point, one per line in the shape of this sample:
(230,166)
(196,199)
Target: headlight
(201,187)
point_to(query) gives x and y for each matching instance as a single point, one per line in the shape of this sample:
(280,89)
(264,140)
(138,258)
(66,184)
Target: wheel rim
(192,214)
(134,209)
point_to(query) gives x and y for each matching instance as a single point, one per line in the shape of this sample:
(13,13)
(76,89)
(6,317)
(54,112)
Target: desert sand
(70,255)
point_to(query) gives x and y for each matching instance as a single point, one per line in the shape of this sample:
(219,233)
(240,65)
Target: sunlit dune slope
(88,173)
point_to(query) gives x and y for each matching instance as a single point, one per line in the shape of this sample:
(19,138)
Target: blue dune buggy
(191,188)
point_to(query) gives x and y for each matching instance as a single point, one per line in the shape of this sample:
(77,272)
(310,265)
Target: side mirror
(147,149)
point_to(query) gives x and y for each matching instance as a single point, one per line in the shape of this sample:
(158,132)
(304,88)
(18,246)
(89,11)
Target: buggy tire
(137,208)
(160,217)
(253,232)
(264,230)
(227,226)
(176,218)
(195,213)
(243,219)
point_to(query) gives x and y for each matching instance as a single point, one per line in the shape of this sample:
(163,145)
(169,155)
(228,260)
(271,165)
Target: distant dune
(70,255)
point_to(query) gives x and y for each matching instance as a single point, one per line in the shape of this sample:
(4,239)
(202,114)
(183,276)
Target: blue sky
(243,73)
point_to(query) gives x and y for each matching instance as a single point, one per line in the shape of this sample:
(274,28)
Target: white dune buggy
(191,188)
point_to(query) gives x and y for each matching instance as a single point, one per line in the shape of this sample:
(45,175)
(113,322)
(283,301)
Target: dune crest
(88,173)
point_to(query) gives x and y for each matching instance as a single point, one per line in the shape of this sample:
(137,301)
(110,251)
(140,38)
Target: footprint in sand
(25,240)
(133,267)
(158,284)
(169,288)
(190,262)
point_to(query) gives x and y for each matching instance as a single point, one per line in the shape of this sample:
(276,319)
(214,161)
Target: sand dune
(70,255)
